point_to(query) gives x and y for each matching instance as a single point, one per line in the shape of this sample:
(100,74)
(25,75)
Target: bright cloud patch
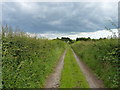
(74,35)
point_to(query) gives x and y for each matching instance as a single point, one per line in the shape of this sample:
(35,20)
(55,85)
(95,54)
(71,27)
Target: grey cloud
(61,17)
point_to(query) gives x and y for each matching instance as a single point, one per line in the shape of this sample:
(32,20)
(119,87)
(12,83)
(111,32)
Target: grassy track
(72,77)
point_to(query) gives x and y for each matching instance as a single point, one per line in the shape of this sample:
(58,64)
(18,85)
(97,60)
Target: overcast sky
(60,18)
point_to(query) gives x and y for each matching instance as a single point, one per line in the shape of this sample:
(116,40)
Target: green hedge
(102,57)
(27,61)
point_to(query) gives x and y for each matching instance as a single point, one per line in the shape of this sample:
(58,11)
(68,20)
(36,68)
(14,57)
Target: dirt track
(54,78)
(93,81)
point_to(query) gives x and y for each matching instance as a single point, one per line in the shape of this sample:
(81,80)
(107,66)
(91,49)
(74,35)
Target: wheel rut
(93,81)
(53,80)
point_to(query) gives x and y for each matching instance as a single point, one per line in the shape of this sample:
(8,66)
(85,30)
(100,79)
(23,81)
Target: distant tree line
(83,39)
(68,40)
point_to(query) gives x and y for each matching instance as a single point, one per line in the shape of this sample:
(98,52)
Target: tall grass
(102,57)
(27,61)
